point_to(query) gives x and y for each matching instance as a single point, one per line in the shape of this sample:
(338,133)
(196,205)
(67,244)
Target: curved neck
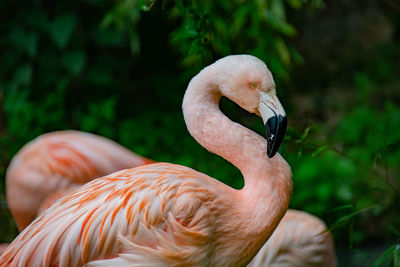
(262,202)
(244,148)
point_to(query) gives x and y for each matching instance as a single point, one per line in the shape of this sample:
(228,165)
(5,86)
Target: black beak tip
(271,152)
(276,128)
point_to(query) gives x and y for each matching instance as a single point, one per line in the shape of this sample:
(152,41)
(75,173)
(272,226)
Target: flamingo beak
(274,118)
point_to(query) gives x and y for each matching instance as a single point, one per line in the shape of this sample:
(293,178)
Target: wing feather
(152,214)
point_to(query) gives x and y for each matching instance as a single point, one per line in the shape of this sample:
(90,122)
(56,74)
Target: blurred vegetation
(119,69)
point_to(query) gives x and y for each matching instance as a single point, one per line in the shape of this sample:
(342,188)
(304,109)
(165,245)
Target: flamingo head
(247,81)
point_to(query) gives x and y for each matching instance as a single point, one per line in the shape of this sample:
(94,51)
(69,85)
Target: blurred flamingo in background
(54,164)
(170,214)
(299,240)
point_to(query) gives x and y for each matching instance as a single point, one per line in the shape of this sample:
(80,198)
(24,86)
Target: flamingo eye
(253,85)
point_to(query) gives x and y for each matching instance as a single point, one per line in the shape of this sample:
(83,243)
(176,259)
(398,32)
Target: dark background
(120,68)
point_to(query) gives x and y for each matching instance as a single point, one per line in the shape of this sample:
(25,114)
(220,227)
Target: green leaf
(305,134)
(343,220)
(108,20)
(394,230)
(25,41)
(296,4)
(347,206)
(385,256)
(74,61)
(180,6)
(318,151)
(186,33)
(277,9)
(396,255)
(146,5)
(240,18)
(299,153)
(23,75)
(282,51)
(124,16)
(280,25)
(296,56)
(61,29)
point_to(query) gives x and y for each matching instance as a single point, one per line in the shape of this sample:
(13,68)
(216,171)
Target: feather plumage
(116,209)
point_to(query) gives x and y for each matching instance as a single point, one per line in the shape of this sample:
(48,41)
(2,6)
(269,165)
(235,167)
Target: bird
(300,239)
(163,214)
(56,163)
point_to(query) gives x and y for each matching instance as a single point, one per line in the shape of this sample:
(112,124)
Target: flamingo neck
(257,208)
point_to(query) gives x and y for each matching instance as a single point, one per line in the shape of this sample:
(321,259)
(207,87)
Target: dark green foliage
(119,69)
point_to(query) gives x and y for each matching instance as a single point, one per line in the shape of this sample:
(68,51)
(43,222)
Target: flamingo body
(60,161)
(165,215)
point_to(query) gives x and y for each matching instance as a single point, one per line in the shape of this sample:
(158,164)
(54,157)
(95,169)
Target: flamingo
(167,214)
(55,164)
(300,239)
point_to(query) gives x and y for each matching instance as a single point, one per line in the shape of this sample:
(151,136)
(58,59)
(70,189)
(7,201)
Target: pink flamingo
(166,214)
(54,164)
